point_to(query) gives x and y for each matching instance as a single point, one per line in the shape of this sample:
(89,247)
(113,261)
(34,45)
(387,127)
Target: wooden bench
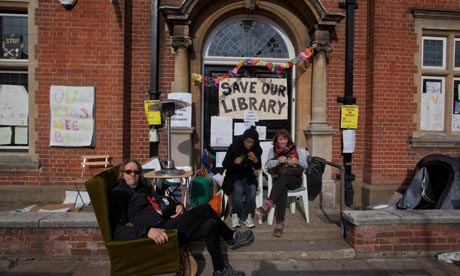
(89,161)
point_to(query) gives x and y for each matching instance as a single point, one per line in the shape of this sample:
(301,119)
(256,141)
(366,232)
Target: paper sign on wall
(183,116)
(72,116)
(349,118)
(14,105)
(153,117)
(221,131)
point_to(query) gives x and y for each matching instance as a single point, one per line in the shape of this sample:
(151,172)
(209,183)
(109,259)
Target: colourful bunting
(273,67)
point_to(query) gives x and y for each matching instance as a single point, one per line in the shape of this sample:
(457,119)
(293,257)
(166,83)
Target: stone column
(181,137)
(181,41)
(318,133)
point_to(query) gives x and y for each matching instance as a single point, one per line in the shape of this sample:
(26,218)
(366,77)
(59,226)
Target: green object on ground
(201,191)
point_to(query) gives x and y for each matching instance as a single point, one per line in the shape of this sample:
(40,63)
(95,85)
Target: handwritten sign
(266,96)
(14,105)
(72,116)
(349,116)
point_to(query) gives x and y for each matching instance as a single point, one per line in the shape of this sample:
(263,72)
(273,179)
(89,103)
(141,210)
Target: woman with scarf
(283,153)
(241,159)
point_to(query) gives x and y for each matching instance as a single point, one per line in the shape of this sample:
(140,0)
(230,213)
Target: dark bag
(314,174)
(287,170)
(167,206)
(290,170)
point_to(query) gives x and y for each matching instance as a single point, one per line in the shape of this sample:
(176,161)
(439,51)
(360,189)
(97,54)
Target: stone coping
(382,217)
(47,219)
(357,217)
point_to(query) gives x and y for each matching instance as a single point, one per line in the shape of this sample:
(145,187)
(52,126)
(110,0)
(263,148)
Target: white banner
(72,116)
(266,96)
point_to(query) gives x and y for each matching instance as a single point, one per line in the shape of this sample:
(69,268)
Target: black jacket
(239,171)
(131,214)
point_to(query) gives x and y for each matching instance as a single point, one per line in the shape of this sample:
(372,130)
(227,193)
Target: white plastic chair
(302,191)
(266,146)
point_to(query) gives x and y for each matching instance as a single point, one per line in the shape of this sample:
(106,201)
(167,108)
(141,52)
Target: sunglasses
(136,172)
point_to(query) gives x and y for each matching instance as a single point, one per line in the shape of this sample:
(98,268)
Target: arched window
(247,38)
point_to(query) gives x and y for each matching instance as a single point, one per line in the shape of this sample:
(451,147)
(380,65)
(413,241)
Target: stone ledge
(50,220)
(379,217)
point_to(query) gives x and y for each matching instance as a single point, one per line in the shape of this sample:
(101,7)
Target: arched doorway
(307,24)
(250,39)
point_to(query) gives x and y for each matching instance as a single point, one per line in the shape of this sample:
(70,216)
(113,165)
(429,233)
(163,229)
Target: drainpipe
(348,99)
(153,91)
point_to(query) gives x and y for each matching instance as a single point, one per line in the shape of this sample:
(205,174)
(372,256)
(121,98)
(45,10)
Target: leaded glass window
(434,52)
(248,38)
(14,27)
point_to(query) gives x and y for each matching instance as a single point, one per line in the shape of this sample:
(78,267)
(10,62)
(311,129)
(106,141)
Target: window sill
(10,162)
(435,141)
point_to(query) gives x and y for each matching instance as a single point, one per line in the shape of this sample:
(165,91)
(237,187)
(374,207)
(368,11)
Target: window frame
(19,66)
(444,46)
(456,40)
(437,24)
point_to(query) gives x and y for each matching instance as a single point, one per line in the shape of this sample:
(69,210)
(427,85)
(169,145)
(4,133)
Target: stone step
(318,240)
(261,250)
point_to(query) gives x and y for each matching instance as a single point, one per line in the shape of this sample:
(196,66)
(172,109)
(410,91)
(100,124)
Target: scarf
(288,151)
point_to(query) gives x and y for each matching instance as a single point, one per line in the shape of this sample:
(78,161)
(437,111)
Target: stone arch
(306,23)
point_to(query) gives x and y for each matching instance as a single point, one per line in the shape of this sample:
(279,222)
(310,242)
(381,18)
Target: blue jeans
(242,187)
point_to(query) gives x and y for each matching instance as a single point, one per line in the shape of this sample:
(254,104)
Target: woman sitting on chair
(241,159)
(134,213)
(283,153)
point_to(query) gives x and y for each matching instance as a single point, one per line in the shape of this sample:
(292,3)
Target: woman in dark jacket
(134,213)
(242,158)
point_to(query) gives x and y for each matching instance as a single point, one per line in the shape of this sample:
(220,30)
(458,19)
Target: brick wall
(403,233)
(44,243)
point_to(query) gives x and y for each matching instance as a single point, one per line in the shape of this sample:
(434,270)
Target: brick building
(120,53)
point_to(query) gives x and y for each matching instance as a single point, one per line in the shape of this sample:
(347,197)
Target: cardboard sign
(268,97)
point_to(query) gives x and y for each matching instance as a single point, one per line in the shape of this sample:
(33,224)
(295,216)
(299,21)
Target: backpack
(314,174)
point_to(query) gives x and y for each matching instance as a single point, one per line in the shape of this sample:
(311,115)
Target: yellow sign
(153,117)
(349,118)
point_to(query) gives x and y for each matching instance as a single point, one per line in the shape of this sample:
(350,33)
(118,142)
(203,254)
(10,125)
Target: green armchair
(130,257)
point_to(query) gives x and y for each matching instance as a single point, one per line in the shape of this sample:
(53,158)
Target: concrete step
(318,240)
(261,250)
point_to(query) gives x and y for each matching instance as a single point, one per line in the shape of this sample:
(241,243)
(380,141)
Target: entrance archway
(253,39)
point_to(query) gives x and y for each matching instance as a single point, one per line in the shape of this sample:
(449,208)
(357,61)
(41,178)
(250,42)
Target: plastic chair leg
(306,209)
(271,214)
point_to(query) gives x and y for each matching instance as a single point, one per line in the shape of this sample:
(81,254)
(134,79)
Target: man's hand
(252,157)
(179,210)
(158,235)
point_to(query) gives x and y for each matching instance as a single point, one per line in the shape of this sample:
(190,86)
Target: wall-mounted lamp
(68,4)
